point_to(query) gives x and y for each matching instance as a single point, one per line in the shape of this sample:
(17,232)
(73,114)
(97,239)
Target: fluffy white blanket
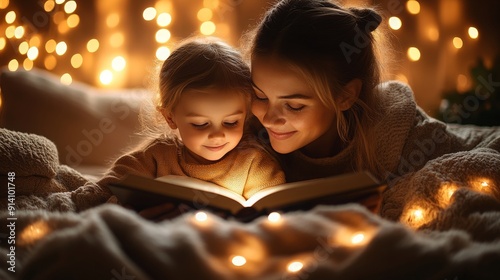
(446,225)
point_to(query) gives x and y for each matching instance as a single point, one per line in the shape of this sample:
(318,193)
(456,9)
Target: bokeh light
(413,54)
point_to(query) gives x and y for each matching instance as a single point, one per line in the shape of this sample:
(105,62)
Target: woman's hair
(329,46)
(198,63)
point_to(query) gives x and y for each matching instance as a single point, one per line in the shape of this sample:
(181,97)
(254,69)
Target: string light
(413,7)
(76,60)
(458,43)
(201,216)
(10,17)
(413,54)
(70,7)
(162,53)
(149,13)
(13,65)
(3,42)
(295,266)
(274,217)
(32,53)
(164,19)
(106,77)
(92,45)
(357,238)
(207,28)
(3,5)
(238,260)
(34,232)
(473,32)
(61,48)
(395,23)
(66,79)
(118,63)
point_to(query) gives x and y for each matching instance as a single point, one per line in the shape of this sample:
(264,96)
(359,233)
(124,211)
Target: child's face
(290,110)
(210,123)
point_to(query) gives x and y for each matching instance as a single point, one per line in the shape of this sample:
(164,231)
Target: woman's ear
(169,117)
(350,94)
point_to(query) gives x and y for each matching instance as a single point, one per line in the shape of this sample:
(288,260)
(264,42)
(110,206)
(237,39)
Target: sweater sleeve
(139,162)
(264,172)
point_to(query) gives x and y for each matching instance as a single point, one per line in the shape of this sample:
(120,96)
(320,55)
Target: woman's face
(290,110)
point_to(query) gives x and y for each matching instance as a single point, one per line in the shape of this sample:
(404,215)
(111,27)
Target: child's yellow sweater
(244,170)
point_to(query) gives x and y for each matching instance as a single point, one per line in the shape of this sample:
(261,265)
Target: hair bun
(366,18)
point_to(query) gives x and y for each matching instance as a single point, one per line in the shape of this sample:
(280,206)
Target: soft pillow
(88,126)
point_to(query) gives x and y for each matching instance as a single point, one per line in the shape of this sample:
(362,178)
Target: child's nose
(216,132)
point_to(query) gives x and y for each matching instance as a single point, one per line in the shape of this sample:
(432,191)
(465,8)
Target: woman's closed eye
(295,107)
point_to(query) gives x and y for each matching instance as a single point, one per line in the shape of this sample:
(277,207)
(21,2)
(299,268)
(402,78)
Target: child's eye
(295,107)
(231,124)
(197,125)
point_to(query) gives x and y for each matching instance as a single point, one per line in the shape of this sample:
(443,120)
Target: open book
(140,193)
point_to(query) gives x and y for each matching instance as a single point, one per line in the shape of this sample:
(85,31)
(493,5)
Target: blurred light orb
(204,14)
(76,60)
(50,62)
(162,36)
(295,266)
(73,20)
(118,63)
(61,48)
(9,31)
(162,53)
(23,48)
(207,28)
(413,54)
(413,7)
(458,43)
(395,23)
(4,4)
(149,13)
(3,43)
(32,53)
(50,46)
(106,77)
(13,65)
(164,19)
(27,64)
(473,32)
(70,7)
(66,79)
(19,32)
(112,20)
(92,45)
(49,5)
(60,1)
(10,17)
(212,4)
(238,260)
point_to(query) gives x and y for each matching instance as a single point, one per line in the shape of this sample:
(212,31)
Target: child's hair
(329,46)
(198,63)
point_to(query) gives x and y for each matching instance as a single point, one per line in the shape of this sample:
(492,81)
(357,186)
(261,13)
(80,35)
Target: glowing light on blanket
(416,216)
(445,193)
(201,216)
(274,217)
(34,232)
(352,238)
(484,185)
(295,266)
(238,261)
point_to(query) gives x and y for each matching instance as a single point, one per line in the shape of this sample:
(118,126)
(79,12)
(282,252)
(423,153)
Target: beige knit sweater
(244,170)
(405,138)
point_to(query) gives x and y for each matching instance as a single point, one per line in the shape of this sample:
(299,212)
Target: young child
(204,97)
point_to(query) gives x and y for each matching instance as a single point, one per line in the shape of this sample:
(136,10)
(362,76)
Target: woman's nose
(273,116)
